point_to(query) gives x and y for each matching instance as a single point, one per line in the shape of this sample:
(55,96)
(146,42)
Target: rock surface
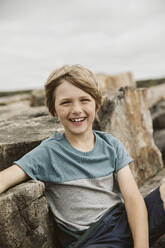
(25,219)
(155,94)
(21,133)
(125,115)
(114,82)
(147,188)
(37,98)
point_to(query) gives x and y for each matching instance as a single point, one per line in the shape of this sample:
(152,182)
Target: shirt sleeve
(122,156)
(35,163)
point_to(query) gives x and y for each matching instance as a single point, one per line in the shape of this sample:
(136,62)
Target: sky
(105,36)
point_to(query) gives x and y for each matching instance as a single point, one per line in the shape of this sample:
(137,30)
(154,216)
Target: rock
(25,219)
(125,115)
(153,182)
(114,82)
(147,188)
(155,94)
(21,133)
(159,137)
(158,115)
(37,98)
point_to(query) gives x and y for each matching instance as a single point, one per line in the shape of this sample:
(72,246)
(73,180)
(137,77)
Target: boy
(82,169)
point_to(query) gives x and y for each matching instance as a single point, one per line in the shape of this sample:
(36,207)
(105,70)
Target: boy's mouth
(77,119)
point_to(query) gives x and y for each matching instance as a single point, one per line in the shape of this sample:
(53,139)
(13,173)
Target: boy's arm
(11,176)
(135,207)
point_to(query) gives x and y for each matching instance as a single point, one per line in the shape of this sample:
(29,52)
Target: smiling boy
(85,171)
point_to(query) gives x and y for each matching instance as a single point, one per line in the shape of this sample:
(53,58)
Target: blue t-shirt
(80,186)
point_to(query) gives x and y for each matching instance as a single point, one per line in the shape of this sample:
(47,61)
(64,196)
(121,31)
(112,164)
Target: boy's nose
(76,108)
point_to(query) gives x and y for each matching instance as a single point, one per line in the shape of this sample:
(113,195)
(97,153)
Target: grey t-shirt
(80,186)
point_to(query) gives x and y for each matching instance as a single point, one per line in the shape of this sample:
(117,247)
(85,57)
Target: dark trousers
(113,230)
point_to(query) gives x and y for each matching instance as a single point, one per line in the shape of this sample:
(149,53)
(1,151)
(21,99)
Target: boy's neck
(83,143)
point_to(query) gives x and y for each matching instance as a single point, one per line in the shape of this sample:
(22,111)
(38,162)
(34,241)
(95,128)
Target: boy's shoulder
(53,139)
(107,137)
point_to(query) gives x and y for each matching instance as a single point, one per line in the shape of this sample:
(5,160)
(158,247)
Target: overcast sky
(111,36)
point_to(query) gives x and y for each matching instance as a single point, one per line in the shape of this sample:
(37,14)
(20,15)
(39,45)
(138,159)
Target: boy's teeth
(76,120)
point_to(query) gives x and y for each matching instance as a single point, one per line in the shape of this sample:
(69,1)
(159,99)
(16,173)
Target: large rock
(155,94)
(125,114)
(21,133)
(37,98)
(147,188)
(25,219)
(114,82)
(159,137)
(158,115)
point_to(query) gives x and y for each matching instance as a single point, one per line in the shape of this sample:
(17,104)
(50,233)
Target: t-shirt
(80,186)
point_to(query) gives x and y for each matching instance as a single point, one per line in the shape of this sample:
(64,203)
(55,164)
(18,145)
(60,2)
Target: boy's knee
(162,193)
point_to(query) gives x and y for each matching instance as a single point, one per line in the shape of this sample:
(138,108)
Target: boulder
(158,115)
(114,82)
(155,94)
(37,98)
(159,137)
(125,114)
(21,133)
(147,188)
(25,219)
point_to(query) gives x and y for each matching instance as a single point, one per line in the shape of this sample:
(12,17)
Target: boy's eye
(85,100)
(65,102)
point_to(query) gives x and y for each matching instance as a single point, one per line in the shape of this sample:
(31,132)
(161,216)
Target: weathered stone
(25,219)
(21,133)
(159,137)
(155,94)
(125,115)
(153,182)
(158,115)
(147,188)
(114,82)
(37,98)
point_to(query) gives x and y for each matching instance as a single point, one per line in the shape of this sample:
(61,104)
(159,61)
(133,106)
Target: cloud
(109,36)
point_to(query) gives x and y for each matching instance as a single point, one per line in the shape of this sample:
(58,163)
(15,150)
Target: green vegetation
(149,82)
(12,93)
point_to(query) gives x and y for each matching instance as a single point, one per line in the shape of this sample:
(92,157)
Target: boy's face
(75,109)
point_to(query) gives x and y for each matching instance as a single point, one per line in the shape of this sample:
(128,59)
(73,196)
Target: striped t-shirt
(80,186)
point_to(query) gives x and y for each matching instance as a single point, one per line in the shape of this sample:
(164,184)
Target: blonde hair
(76,75)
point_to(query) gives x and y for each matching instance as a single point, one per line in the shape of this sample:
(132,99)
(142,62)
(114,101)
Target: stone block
(125,114)
(114,82)
(25,219)
(37,98)
(155,94)
(21,133)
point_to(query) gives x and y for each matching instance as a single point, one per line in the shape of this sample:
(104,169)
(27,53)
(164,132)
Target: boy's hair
(76,75)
